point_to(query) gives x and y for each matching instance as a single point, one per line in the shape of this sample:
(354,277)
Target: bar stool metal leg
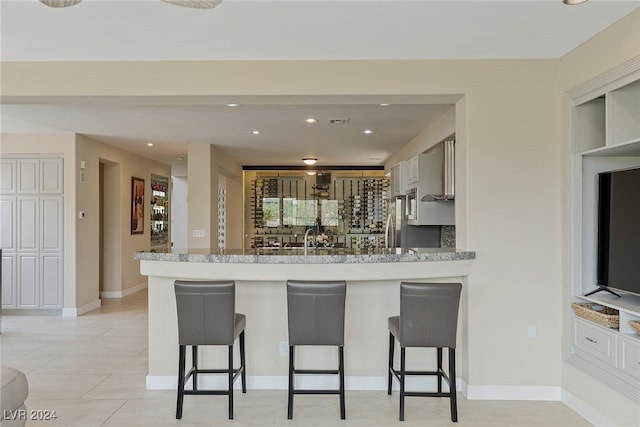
(242,362)
(181,362)
(452,384)
(402,379)
(291,368)
(231,382)
(194,362)
(391,351)
(341,368)
(439,352)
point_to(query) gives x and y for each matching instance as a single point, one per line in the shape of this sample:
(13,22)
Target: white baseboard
(585,411)
(75,312)
(123,293)
(511,392)
(376,383)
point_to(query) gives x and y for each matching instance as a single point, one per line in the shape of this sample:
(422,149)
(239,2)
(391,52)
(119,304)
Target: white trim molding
(75,312)
(513,392)
(377,383)
(585,411)
(123,293)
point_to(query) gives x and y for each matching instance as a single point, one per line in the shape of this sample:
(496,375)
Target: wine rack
(352,210)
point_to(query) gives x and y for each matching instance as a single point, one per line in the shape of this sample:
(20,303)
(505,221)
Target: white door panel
(28,277)
(51,174)
(51,279)
(9,281)
(28,223)
(28,172)
(7,176)
(51,231)
(8,223)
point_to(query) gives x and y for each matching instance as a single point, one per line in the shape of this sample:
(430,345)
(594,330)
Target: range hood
(445,151)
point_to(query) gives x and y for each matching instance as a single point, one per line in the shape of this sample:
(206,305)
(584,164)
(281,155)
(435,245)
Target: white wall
(64,145)
(81,272)
(179,209)
(511,196)
(512,193)
(87,241)
(612,47)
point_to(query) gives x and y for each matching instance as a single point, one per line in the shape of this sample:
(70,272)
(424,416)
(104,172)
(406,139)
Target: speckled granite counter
(314,256)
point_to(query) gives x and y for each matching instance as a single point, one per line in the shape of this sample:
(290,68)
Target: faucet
(306,241)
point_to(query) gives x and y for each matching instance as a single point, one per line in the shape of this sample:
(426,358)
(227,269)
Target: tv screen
(619,230)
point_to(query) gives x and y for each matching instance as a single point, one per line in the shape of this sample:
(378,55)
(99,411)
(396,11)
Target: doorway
(110,275)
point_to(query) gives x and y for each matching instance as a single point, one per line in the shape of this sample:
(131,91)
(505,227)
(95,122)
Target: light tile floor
(91,370)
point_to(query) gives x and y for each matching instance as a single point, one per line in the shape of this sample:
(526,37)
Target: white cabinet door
(412,172)
(629,356)
(51,231)
(51,280)
(9,281)
(398,179)
(29,278)
(28,208)
(8,223)
(594,341)
(28,175)
(51,174)
(7,176)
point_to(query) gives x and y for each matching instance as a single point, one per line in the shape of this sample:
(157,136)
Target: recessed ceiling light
(232,105)
(573,1)
(255,132)
(149,144)
(384,105)
(309,160)
(311,120)
(367,131)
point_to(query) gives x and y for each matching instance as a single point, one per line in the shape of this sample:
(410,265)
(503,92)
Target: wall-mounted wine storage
(348,207)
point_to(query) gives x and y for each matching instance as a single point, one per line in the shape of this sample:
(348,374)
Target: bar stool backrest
(429,314)
(316,312)
(206,312)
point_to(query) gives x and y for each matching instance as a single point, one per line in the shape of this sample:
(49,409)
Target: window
(271,211)
(329,212)
(299,212)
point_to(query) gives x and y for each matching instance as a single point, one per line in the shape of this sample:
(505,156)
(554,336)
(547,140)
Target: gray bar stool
(428,318)
(206,316)
(316,317)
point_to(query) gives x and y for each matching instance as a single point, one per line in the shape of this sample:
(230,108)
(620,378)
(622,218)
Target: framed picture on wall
(137,205)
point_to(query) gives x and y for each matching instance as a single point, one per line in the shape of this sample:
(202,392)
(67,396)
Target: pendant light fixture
(195,4)
(60,3)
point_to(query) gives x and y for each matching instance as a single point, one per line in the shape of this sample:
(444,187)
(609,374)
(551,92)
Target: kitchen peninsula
(372,276)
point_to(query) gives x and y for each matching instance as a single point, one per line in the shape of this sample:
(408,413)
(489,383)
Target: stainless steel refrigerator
(399,234)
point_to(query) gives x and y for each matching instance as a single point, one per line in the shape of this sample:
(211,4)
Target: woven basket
(635,324)
(605,316)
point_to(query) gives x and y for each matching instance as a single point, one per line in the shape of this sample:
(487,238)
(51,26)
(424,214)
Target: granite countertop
(314,256)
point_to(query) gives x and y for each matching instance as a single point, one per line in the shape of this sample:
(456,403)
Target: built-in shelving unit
(604,135)
(159,212)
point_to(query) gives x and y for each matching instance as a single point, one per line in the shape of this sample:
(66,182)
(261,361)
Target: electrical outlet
(284,348)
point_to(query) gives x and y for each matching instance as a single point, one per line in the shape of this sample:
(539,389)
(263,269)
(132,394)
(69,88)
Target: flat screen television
(618,244)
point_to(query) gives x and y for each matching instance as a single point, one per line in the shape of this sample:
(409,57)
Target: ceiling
(99,30)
